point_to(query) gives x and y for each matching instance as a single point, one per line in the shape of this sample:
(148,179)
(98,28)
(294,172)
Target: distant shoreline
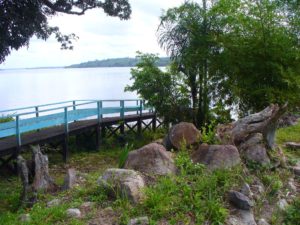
(116,62)
(106,63)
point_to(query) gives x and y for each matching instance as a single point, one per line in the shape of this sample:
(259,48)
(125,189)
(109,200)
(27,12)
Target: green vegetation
(227,55)
(4,119)
(292,215)
(118,62)
(195,195)
(159,88)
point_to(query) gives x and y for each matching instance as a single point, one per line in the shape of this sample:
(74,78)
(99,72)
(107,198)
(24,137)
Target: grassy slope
(192,197)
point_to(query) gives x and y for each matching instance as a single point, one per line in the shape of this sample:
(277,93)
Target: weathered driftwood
(264,122)
(35,176)
(42,179)
(292,145)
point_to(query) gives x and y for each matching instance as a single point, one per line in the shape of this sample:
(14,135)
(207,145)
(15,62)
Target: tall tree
(261,52)
(188,35)
(21,19)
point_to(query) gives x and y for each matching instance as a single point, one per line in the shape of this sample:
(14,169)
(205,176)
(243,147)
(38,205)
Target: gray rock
(217,156)
(24,218)
(75,213)
(296,170)
(70,179)
(86,207)
(246,190)
(282,204)
(253,149)
(128,183)
(139,221)
(151,159)
(262,222)
(291,185)
(182,133)
(54,202)
(240,200)
(241,217)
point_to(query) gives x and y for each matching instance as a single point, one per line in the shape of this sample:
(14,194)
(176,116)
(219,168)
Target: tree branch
(59,9)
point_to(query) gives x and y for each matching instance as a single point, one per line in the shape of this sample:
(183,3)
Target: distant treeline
(117,62)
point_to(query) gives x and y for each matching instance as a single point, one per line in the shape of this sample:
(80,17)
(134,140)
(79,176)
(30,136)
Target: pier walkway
(56,122)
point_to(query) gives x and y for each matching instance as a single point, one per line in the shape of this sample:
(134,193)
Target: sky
(100,37)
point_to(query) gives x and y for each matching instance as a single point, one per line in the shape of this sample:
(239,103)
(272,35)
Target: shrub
(292,215)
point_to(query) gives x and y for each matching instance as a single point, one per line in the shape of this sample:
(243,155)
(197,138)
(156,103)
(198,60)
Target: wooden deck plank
(8,145)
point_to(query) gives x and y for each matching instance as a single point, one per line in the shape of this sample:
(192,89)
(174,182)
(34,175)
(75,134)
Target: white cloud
(100,37)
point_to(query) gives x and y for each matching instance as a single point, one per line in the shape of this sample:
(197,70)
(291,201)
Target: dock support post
(98,137)
(66,153)
(154,123)
(122,114)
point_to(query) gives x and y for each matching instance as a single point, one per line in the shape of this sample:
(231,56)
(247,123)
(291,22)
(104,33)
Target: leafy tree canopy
(21,19)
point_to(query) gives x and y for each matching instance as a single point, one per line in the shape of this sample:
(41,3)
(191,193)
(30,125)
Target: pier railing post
(139,122)
(98,127)
(137,104)
(18,135)
(66,137)
(154,122)
(37,111)
(122,115)
(74,105)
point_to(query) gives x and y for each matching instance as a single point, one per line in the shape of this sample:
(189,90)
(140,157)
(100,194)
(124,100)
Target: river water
(28,87)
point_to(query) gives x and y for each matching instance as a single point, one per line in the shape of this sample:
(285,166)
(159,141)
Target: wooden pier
(56,122)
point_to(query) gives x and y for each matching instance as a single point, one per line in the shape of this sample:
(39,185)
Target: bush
(4,119)
(292,215)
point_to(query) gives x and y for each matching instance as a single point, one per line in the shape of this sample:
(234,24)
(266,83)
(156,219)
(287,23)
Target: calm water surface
(20,88)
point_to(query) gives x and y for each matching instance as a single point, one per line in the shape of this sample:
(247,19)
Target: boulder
(253,149)
(128,183)
(217,156)
(246,190)
(54,202)
(240,200)
(182,133)
(74,213)
(262,222)
(296,170)
(151,159)
(70,179)
(282,204)
(139,221)
(241,217)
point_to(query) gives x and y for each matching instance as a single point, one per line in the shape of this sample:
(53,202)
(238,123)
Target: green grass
(289,134)
(194,195)
(89,163)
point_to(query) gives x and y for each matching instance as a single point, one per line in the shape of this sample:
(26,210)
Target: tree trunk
(264,122)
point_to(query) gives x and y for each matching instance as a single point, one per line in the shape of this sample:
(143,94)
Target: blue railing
(62,113)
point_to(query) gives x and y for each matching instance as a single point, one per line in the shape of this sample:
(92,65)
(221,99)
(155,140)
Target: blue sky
(100,37)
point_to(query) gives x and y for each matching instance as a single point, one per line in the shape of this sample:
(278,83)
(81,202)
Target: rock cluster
(127,183)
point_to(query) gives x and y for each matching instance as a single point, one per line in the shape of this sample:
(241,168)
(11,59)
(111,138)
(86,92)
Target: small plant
(124,154)
(5,119)
(292,215)
(208,134)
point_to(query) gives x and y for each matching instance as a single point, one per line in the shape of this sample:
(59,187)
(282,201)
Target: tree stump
(35,176)
(264,122)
